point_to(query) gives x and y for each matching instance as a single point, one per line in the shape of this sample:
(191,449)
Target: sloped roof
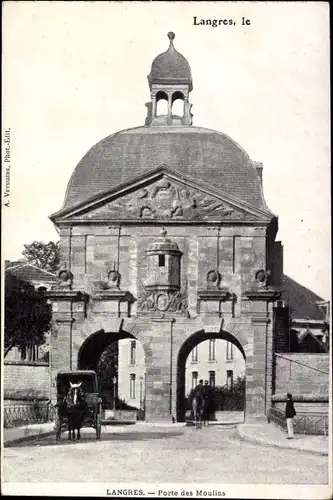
(309,336)
(29,272)
(301,301)
(203,154)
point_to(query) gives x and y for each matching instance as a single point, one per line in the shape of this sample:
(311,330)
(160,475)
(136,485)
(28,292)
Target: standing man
(199,390)
(208,398)
(198,397)
(290,413)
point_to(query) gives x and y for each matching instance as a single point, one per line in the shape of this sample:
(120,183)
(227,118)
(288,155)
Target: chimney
(259,168)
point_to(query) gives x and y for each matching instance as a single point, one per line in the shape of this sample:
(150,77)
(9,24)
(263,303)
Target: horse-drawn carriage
(78,403)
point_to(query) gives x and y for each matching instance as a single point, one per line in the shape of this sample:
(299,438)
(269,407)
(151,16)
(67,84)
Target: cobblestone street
(153,454)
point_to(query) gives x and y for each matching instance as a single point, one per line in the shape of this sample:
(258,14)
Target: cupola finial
(171,37)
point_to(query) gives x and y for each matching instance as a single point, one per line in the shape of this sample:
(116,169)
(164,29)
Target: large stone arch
(93,346)
(98,336)
(89,354)
(240,341)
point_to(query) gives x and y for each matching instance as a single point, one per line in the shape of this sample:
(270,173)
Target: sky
(76,72)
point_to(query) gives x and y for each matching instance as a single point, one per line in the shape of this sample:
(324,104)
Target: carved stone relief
(65,280)
(163,301)
(213,279)
(167,199)
(262,278)
(112,282)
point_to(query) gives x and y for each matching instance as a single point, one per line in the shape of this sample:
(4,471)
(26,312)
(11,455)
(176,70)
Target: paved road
(155,454)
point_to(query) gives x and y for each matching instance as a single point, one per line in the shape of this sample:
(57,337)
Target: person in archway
(198,394)
(199,390)
(208,394)
(290,413)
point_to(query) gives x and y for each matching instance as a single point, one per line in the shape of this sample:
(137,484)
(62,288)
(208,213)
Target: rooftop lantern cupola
(170,82)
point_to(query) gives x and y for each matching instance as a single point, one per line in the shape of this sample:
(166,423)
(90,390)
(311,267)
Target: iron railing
(311,423)
(304,422)
(29,413)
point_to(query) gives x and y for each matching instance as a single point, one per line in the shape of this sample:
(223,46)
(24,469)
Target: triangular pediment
(163,195)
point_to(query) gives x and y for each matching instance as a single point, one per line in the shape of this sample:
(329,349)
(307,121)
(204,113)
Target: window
(230,381)
(195,354)
(162,107)
(194,379)
(178,104)
(212,378)
(133,349)
(211,354)
(132,386)
(161,260)
(230,352)
(29,353)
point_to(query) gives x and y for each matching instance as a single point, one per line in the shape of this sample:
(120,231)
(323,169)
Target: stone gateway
(166,238)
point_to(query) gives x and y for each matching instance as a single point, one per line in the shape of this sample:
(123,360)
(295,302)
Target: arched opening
(118,358)
(219,359)
(177,104)
(161,103)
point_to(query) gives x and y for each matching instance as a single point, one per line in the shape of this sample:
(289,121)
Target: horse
(75,406)
(198,410)
(206,410)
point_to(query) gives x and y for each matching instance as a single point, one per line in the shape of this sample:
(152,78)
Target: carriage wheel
(58,428)
(98,426)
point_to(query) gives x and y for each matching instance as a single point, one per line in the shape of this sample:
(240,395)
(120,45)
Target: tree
(43,255)
(107,368)
(27,314)
(231,399)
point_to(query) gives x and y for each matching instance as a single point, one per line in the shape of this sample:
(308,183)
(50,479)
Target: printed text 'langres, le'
(214,23)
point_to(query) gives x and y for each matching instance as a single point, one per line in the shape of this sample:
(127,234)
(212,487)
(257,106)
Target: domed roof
(170,67)
(163,244)
(203,154)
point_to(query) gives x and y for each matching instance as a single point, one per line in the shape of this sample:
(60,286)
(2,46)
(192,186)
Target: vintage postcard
(166,250)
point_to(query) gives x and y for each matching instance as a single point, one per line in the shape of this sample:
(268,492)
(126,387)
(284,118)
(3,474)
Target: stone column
(256,408)
(63,352)
(158,371)
(261,378)
(169,104)
(269,356)
(61,349)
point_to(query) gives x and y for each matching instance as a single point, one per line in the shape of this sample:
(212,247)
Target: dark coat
(199,392)
(290,410)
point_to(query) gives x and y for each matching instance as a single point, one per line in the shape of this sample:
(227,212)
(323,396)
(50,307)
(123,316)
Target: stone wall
(26,380)
(90,251)
(302,374)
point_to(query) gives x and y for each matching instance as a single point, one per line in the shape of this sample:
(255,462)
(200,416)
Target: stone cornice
(70,295)
(265,294)
(122,295)
(260,319)
(64,319)
(157,222)
(215,294)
